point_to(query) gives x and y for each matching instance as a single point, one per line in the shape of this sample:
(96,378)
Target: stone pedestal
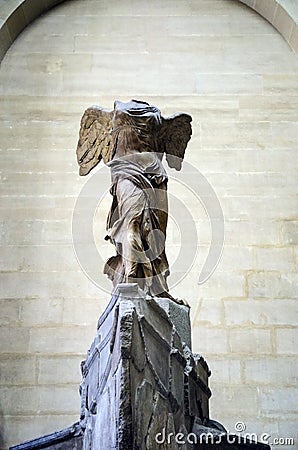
(140,378)
(142,387)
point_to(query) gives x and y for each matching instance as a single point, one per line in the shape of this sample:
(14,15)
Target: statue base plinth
(142,387)
(140,378)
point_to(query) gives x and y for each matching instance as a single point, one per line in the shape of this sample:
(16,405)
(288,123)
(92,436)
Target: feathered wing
(174,135)
(95,139)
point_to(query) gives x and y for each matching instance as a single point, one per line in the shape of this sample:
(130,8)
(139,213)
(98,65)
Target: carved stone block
(146,377)
(151,389)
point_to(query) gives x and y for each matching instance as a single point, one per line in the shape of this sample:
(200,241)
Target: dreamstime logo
(199,190)
(240,426)
(215,437)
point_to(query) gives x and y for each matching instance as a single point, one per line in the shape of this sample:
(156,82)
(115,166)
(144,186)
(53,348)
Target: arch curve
(282,14)
(15,15)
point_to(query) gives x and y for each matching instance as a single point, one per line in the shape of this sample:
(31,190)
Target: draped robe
(137,220)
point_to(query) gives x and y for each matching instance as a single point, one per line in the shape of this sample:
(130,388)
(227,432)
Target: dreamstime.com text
(220,438)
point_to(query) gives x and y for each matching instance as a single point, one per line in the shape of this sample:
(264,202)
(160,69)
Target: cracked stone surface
(142,387)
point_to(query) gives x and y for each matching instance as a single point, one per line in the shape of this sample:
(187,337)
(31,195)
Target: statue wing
(174,135)
(95,139)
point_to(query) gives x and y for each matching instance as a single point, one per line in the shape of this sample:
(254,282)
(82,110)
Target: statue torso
(135,137)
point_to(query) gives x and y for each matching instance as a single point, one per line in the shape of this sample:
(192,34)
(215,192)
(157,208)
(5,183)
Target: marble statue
(142,386)
(131,140)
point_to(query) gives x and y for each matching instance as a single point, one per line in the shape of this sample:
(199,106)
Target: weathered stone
(139,390)
(67,439)
(144,401)
(179,315)
(159,419)
(134,377)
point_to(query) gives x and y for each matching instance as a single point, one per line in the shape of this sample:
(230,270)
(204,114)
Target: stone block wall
(15,15)
(230,69)
(283,14)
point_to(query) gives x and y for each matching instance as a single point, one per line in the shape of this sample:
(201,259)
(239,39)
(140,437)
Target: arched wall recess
(15,15)
(282,14)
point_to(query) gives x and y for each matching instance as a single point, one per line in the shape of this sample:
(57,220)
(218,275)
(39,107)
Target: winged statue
(132,140)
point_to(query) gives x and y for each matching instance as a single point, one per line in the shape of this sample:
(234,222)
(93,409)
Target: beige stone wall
(283,14)
(15,15)
(224,64)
